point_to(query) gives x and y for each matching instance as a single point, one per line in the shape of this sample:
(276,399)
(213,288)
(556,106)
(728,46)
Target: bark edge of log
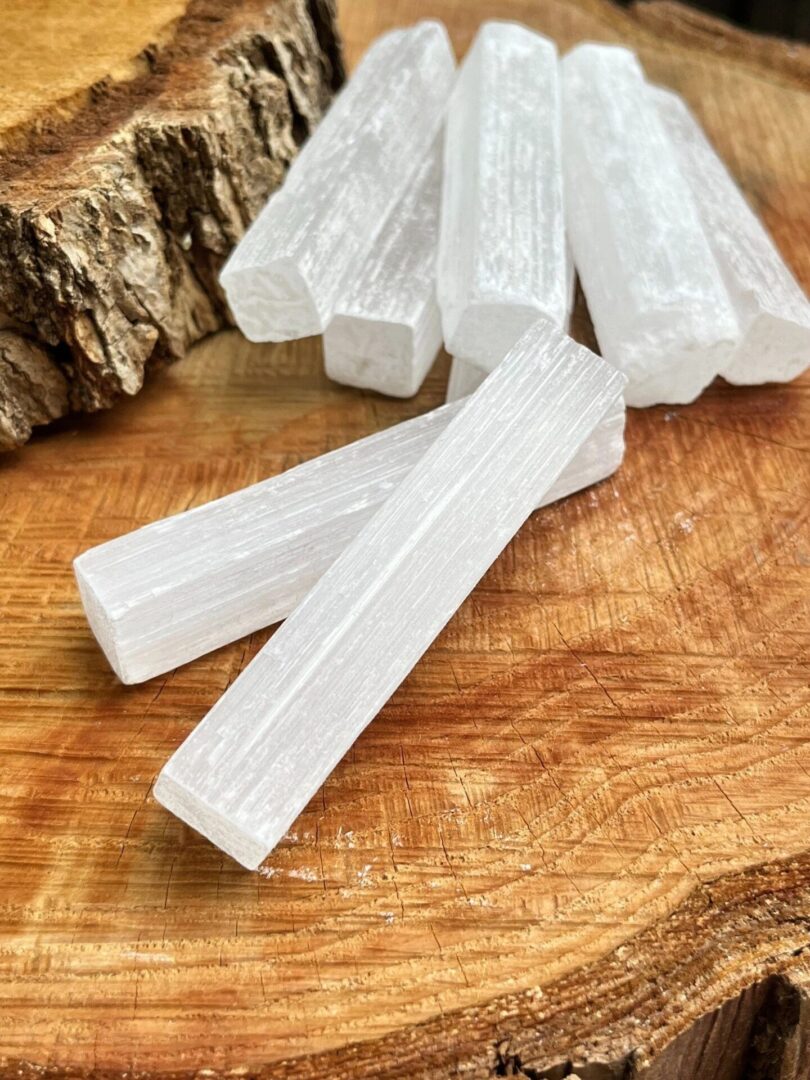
(115,223)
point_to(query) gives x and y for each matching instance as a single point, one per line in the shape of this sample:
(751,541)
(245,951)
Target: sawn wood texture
(575,841)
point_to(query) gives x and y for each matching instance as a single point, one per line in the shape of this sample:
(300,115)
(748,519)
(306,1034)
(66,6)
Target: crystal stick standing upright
(502,256)
(173,590)
(246,771)
(466,376)
(306,245)
(659,306)
(772,309)
(386,330)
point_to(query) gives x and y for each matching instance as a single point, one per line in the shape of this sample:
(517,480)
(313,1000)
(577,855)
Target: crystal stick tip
(249,768)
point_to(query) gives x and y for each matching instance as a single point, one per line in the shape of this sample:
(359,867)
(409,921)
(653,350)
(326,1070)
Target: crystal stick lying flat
(386,330)
(174,590)
(660,309)
(502,255)
(772,309)
(309,241)
(250,767)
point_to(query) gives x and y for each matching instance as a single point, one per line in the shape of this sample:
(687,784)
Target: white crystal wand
(251,765)
(166,593)
(659,306)
(773,311)
(386,329)
(285,276)
(502,252)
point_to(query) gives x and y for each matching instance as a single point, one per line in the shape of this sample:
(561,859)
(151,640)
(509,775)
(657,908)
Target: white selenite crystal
(659,306)
(772,309)
(250,767)
(386,331)
(306,246)
(502,249)
(178,588)
(466,376)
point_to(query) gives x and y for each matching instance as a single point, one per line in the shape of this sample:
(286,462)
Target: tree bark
(115,222)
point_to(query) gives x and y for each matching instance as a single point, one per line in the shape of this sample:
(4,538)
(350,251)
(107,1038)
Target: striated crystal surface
(659,306)
(174,590)
(386,330)
(502,253)
(772,309)
(249,768)
(305,247)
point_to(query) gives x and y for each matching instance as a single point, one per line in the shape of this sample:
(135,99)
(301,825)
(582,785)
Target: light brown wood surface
(56,52)
(576,838)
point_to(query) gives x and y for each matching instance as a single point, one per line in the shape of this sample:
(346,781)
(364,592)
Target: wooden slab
(578,829)
(135,147)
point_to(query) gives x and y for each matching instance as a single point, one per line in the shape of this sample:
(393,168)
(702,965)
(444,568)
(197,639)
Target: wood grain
(576,838)
(127,178)
(56,53)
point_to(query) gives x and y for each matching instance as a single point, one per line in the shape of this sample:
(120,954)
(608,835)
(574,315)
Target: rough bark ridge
(114,224)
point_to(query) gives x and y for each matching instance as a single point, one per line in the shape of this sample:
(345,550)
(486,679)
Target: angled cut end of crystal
(596,460)
(485,332)
(685,367)
(773,349)
(100,623)
(272,302)
(369,353)
(376,354)
(248,850)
